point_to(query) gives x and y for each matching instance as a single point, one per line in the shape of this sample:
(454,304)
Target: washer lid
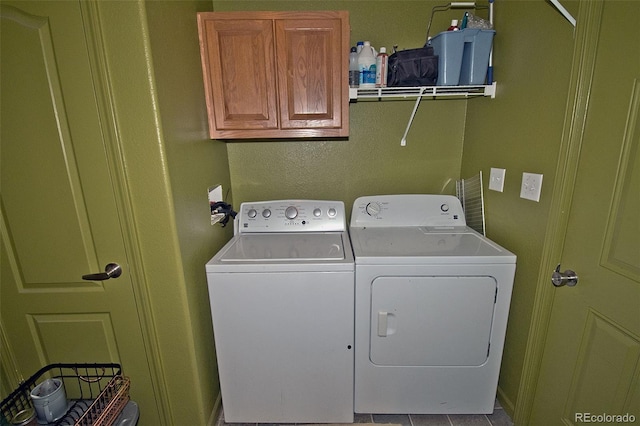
(426,245)
(289,247)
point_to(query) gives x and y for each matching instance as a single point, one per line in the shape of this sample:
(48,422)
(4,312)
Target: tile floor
(498,418)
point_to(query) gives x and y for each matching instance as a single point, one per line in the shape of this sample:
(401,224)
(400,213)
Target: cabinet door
(310,56)
(239,75)
(276,74)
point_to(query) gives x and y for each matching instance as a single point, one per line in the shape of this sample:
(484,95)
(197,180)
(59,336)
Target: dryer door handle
(386,323)
(382,323)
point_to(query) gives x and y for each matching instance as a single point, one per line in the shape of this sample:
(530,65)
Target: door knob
(567,277)
(112,270)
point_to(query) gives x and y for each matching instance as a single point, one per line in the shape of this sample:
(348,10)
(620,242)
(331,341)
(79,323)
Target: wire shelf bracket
(564,11)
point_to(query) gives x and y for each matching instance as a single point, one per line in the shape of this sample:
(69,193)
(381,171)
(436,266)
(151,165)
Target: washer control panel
(408,210)
(291,216)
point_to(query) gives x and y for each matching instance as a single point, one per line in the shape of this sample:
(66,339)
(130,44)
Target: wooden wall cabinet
(276,74)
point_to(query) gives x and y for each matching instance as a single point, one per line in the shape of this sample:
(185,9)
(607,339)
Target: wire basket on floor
(97,393)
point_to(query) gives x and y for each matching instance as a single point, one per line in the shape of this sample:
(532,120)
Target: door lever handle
(112,270)
(568,277)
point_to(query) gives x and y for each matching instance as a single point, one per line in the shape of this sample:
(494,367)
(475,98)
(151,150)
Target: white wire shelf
(399,93)
(419,93)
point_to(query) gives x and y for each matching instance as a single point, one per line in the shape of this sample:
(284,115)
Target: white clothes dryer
(282,302)
(432,301)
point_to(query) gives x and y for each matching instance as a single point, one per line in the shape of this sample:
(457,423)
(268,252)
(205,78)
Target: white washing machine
(432,300)
(282,302)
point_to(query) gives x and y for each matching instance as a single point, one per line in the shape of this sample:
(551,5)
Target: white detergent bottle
(367,66)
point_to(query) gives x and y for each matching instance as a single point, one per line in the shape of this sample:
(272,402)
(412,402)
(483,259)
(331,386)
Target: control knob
(373,209)
(291,212)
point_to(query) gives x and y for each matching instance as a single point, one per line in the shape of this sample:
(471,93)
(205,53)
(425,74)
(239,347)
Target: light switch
(531,186)
(496,179)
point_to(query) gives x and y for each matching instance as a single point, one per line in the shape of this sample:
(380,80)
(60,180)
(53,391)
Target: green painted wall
(194,163)
(156,77)
(371,160)
(519,130)
(153,53)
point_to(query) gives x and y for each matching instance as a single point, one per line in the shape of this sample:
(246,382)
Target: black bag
(413,68)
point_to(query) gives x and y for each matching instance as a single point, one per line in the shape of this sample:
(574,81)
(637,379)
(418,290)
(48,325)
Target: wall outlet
(496,179)
(531,186)
(215,195)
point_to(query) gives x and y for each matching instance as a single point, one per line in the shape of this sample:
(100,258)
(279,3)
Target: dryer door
(431,321)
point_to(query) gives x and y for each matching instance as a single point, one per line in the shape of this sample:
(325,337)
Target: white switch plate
(531,186)
(215,195)
(496,179)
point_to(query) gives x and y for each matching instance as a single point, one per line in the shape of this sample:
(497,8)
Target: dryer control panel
(291,216)
(408,210)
